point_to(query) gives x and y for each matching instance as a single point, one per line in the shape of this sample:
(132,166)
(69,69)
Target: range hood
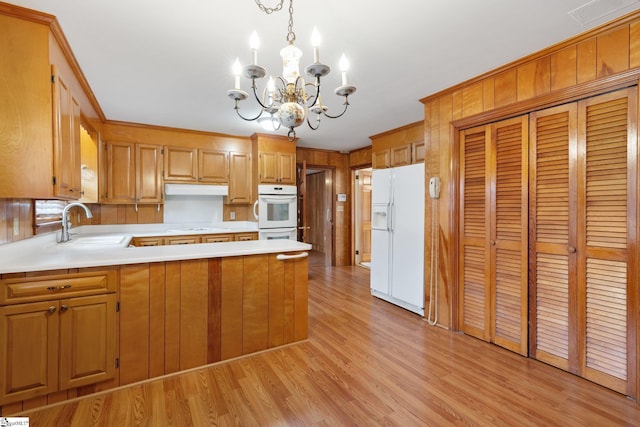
(195,190)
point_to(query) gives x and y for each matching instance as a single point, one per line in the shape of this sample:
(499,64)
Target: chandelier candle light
(288,100)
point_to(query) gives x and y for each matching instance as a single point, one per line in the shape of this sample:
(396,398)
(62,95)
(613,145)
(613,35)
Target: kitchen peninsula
(96,313)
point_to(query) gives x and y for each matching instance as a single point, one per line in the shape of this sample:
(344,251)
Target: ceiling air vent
(597,9)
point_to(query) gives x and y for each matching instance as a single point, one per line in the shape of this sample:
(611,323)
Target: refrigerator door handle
(392,218)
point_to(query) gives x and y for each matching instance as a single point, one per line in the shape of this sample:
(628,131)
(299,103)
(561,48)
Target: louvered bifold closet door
(474,226)
(607,239)
(493,242)
(583,225)
(508,240)
(552,215)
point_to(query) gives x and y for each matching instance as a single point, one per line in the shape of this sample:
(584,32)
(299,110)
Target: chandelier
(288,100)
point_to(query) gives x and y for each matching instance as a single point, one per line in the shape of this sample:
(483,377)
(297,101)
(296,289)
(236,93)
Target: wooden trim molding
(573,93)
(27,14)
(573,41)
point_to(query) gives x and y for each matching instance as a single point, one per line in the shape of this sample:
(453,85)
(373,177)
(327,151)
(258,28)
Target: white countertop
(43,253)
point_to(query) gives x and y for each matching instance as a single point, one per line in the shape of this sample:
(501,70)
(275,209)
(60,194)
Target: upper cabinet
(133,173)
(41,101)
(66,138)
(240,179)
(276,159)
(186,164)
(398,147)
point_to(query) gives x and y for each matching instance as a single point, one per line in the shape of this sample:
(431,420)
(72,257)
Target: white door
(407,219)
(380,236)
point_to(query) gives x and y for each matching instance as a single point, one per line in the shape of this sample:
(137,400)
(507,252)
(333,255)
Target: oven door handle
(255,210)
(277,199)
(283,257)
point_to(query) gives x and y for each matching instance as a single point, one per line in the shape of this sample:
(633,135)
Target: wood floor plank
(366,362)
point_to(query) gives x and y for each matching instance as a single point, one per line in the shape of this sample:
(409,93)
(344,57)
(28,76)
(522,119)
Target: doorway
(315,191)
(362,217)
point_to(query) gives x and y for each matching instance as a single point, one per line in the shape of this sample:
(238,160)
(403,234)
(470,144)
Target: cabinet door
(401,156)
(147,241)
(268,168)
(417,152)
(181,240)
(287,168)
(28,350)
(87,340)
(121,172)
(213,166)
(217,238)
(180,164)
(243,237)
(66,134)
(148,172)
(240,178)
(381,159)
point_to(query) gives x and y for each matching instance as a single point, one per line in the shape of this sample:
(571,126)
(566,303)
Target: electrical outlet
(232,215)
(16,227)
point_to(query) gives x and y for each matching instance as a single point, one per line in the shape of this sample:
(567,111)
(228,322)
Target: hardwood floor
(366,363)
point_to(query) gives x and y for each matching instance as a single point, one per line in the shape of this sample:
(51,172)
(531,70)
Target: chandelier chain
(291,36)
(269,10)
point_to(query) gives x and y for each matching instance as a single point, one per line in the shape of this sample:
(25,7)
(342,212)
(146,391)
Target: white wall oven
(277,209)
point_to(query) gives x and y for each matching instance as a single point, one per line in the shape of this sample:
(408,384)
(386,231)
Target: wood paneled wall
(16,220)
(360,158)
(600,60)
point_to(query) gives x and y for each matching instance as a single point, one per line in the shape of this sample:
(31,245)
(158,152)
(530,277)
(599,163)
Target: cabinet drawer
(217,238)
(54,286)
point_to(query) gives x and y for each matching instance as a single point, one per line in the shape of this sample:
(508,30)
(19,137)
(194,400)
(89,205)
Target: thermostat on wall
(342,197)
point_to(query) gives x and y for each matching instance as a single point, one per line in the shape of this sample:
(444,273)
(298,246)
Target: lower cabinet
(67,335)
(183,314)
(55,345)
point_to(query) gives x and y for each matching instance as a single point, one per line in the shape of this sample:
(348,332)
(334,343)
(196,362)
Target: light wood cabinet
(66,138)
(213,166)
(240,184)
(147,241)
(217,238)
(381,159)
(243,237)
(64,338)
(182,240)
(180,164)
(133,173)
(193,239)
(186,164)
(276,159)
(277,168)
(398,147)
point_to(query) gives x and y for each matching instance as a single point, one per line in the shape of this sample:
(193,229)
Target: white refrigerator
(397,236)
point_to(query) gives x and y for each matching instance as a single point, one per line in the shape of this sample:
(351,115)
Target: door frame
(331,170)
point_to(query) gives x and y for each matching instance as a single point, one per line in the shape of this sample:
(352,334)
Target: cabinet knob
(52,288)
(52,309)
(64,307)
(65,286)
(492,242)
(572,250)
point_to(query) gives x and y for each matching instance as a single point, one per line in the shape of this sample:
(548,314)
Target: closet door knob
(572,250)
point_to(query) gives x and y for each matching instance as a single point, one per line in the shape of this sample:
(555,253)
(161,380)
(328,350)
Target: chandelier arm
(247,118)
(346,105)
(255,95)
(311,126)
(317,95)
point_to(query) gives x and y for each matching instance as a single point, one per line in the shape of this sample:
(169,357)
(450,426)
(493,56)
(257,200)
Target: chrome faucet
(66,225)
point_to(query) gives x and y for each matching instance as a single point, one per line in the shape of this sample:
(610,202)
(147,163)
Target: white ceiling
(168,63)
